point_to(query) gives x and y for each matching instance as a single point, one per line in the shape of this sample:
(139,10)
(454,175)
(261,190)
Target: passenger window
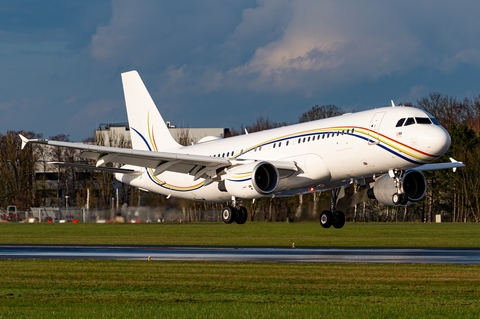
(409,121)
(287,143)
(273,145)
(423,120)
(308,140)
(400,122)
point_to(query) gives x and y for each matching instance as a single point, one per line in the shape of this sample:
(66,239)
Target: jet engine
(413,186)
(251,180)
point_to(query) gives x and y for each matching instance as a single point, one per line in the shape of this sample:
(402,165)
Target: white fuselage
(328,152)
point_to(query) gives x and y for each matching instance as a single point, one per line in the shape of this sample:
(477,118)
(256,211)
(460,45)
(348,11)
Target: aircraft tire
(326,219)
(228,214)
(399,199)
(338,219)
(241,215)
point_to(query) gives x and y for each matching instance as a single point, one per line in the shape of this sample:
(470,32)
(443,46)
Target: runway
(244,254)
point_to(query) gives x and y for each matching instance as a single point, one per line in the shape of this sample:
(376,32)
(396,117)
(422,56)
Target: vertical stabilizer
(148,130)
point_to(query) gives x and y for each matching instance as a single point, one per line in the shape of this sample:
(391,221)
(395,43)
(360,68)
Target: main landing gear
(332,217)
(234,213)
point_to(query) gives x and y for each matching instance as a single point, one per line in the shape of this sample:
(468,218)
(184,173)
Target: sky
(221,63)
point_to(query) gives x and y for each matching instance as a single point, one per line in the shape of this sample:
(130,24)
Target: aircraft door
(373,129)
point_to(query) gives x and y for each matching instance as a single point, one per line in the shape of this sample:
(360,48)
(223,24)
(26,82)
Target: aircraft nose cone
(438,140)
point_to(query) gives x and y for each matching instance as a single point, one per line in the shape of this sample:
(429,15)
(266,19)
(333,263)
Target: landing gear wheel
(399,199)
(338,219)
(326,219)
(228,214)
(241,215)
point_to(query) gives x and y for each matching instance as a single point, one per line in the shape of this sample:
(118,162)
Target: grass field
(142,289)
(250,234)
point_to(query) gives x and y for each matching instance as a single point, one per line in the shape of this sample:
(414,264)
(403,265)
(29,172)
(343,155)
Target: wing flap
(95,168)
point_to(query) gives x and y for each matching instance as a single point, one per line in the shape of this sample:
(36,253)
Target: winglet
(454,161)
(24,140)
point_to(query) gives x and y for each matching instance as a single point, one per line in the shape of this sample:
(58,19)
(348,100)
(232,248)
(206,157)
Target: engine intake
(252,180)
(413,185)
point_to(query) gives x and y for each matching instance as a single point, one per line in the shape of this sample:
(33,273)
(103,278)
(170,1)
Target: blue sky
(217,63)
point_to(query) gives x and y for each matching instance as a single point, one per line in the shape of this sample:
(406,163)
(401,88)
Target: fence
(125,214)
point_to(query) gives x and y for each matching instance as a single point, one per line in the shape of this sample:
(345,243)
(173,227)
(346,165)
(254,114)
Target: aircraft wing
(197,165)
(435,166)
(200,166)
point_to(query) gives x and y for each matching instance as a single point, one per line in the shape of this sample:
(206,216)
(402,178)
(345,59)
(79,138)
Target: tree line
(29,180)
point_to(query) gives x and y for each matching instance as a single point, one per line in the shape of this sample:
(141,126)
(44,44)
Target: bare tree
(320,112)
(17,169)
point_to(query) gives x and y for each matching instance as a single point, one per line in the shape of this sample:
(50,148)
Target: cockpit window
(434,121)
(400,122)
(423,120)
(409,121)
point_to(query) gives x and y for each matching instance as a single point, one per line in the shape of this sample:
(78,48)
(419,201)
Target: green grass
(141,289)
(250,234)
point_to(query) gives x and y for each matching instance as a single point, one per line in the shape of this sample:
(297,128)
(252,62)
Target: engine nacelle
(414,186)
(252,180)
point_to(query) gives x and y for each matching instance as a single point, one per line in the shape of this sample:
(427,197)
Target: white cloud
(328,43)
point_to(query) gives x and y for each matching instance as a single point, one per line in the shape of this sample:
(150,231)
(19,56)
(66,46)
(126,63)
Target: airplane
(392,145)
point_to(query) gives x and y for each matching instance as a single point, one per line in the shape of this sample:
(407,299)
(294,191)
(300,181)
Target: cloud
(8,105)
(260,56)
(276,46)
(325,43)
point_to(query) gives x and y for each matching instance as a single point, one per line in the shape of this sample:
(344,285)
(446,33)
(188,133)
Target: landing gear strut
(332,217)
